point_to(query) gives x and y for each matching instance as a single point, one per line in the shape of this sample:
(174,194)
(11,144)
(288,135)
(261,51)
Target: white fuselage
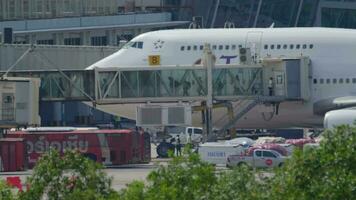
(332,53)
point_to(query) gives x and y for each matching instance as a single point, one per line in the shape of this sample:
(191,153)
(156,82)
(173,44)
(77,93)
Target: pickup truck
(260,158)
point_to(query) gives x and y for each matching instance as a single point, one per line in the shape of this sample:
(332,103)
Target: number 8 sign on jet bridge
(154,60)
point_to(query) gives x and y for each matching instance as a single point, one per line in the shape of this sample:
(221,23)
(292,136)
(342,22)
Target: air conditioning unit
(245,56)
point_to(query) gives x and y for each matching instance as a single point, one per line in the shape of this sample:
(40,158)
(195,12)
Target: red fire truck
(110,147)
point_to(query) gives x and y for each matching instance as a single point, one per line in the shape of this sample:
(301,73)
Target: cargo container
(12,154)
(110,147)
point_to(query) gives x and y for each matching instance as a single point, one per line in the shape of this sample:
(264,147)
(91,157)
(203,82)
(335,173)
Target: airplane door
(254,42)
(279,80)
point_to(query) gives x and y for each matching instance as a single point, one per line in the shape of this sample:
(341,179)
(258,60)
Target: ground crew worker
(178,147)
(270,86)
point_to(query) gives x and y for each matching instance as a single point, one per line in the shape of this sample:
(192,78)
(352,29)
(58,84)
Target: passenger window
(195,47)
(297,46)
(354,80)
(214,47)
(347,80)
(269,154)
(321,81)
(334,81)
(182,48)
(233,47)
(201,47)
(198,131)
(341,80)
(272,46)
(291,46)
(285,46)
(188,48)
(315,81)
(190,131)
(258,153)
(328,81)
(304,46)
(278,46)
(221,47)
(140,45)
(311,46)
(240,46)
(227,47)
(266,46)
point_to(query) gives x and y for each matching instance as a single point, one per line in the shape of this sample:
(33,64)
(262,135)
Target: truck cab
(260,158)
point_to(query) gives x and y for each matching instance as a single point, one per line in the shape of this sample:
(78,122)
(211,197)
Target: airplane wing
(323,106)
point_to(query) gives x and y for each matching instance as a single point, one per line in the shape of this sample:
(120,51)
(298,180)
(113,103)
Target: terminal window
(72,41)
(99,41)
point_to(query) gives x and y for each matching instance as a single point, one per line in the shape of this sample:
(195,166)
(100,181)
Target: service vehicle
(110,147)
(260,158)
(218,152)
(186,134)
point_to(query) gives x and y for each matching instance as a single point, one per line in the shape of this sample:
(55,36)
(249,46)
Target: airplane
(331,52)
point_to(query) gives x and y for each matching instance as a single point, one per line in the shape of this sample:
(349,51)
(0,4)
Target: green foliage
(5,191)
(326,172)
(70,176)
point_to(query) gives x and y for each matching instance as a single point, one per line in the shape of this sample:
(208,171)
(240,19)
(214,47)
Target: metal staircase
(243,108)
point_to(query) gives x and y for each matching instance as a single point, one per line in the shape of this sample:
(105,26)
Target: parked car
(261,158)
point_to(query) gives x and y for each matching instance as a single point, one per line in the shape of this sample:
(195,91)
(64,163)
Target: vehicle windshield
(132,44)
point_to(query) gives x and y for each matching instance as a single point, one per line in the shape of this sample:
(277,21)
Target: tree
(5,191)
(70,176)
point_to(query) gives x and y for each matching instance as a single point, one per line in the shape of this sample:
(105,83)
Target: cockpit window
(138,45)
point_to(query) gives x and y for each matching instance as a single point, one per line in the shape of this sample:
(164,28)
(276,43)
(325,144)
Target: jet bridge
(173,84)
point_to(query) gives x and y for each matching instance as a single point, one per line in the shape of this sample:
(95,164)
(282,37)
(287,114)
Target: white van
(217,152)
(186,134)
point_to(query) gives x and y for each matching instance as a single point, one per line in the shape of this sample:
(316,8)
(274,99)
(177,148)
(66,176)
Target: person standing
(178,147)
(270,86)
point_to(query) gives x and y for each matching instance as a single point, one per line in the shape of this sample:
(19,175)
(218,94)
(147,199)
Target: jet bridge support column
(208,64)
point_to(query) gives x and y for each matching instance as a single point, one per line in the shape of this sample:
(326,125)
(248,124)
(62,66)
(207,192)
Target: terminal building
(73,34)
